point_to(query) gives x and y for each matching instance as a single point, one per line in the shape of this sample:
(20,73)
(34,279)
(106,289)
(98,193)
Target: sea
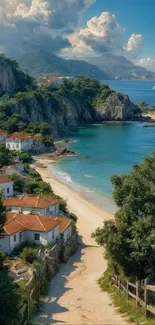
(107,149)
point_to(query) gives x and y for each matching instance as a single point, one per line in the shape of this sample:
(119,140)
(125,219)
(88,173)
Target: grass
(125,306)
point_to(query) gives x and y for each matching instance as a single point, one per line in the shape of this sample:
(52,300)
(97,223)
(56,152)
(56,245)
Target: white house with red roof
(47,206)
(3,136)
(20,141)
(65,228)
(6,185)
(20,228)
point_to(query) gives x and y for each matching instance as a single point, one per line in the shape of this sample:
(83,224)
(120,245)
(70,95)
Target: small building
(20,228)
(19,141)
(26,204)
(6,185)
(3,136)
(65,228)
(16,168)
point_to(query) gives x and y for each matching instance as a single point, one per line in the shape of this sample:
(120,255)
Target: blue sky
(137,16)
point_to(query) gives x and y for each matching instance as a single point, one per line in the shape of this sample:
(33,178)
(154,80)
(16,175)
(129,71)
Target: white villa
(20,228)
(16,168)
(19,141)
(26,204)
(6,185)
(3,136)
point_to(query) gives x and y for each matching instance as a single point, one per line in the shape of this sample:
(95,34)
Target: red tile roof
(19,136)
(4,179)
(17,222)
(64,223)
(30,201)
(3,133)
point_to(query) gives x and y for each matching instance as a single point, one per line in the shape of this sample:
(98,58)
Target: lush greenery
(129,238)
(28,254)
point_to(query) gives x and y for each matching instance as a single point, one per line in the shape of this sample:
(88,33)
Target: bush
(25,157)
(28,254)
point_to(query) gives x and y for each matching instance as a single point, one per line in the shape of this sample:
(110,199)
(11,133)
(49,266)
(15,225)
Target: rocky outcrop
(12,79)
(117,107)
(66,113)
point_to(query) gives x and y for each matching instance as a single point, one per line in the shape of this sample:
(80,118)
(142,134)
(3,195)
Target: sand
(74,295)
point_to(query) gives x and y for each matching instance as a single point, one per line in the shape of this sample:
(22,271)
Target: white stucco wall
(7,189)
(5,244)
(53,210)
(45,237)
(19,145)
(2,138)
(67,233)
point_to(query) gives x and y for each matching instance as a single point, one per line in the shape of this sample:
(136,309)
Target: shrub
(28,254)
(25,157)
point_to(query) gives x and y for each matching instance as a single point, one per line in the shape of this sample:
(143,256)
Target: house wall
(67,233)
(19,145)
(19,239)
(45,237)
(53,210)
(7,189)
(2,138)
(5,244)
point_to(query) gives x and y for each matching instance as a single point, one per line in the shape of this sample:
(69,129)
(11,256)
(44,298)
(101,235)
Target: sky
(81,29)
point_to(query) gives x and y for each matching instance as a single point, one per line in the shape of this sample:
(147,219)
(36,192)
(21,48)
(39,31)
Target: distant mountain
(118,67)
(40,64)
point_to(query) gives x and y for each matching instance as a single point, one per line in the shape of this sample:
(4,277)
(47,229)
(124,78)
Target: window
(8,190)
(36,236)
(14,238)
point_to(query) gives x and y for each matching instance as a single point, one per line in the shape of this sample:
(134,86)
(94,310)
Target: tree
(47,140)
(25,157)
(38,127)
(14,123)
(4,155)
(130,237)
(143,105)
(10,301)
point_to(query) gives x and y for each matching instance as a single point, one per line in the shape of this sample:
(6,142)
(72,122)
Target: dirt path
(74,295)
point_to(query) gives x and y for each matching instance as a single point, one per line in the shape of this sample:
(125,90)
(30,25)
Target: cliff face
(64,114)
(12,79)
(117,107)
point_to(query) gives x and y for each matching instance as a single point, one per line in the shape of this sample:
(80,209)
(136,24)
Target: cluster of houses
(20,141)
(29,218)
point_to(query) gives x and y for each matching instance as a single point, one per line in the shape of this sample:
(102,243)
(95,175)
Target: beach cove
(74,295)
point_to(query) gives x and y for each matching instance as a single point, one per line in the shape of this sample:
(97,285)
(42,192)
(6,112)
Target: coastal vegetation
(129,238)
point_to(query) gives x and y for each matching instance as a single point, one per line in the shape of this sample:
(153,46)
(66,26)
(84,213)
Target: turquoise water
(103,150)
(137,90)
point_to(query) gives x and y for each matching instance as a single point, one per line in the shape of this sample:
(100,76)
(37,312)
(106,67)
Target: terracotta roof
(18,222)
(30,201)
(64,223)
(4,179)
(20,136)
(3,133)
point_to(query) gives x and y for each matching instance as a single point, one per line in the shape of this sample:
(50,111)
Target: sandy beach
(74,295)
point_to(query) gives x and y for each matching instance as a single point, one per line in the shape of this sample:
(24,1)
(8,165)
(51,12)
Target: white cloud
(102,34)
(134,45)
(147,63)
(26,25)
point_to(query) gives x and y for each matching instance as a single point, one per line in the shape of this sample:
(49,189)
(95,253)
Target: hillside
(64,108)
(40,64)
(118,67)
(11,78)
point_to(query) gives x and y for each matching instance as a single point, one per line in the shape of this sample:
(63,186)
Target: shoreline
(74,295)
(76,201)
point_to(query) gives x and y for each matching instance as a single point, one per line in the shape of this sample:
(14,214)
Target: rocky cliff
(75,103)
(64,114)
(11,78)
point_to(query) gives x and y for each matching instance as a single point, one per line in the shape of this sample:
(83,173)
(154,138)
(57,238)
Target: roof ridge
(41,222)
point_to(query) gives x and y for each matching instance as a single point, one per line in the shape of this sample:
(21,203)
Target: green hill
(42,64)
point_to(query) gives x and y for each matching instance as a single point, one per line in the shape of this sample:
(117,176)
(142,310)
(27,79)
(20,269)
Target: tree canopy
(129,239)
